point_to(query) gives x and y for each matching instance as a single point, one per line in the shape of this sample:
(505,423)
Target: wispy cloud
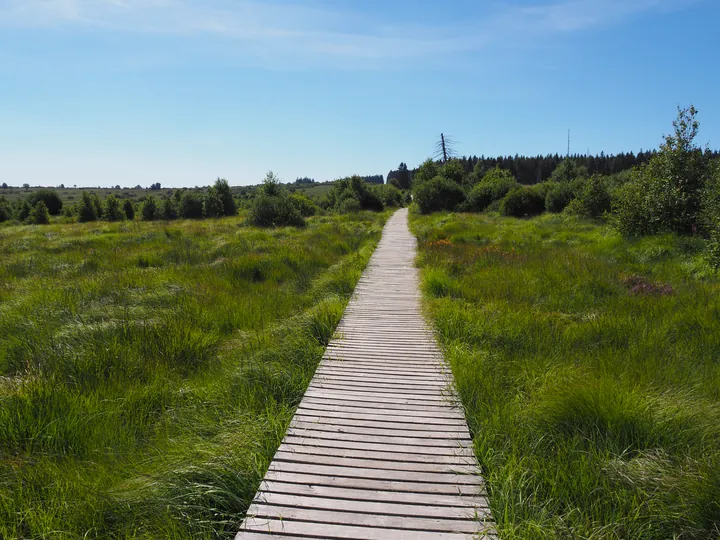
(281,31)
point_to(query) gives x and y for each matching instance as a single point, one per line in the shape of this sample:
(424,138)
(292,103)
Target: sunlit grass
(588,366)
(148,370)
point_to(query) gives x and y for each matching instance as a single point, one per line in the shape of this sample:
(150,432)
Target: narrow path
(379,447)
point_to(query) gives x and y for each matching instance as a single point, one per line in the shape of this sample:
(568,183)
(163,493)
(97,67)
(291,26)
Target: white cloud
(284,32)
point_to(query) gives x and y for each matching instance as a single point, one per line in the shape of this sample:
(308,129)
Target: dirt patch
(637,284)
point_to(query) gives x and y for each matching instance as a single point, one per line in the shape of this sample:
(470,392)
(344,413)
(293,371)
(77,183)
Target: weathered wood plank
(364,519)
(387,508)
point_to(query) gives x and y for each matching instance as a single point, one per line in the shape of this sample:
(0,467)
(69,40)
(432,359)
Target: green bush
(150,210)
(87,209)
(493,186)
(353,188)
(39,214)
(523,201)
(595,198)
(559,195)
(349,206)
(191,205)
(440,193)
(222,189)
(304,204)
(273,207)
(22,210)
(391,196)
(426,172)
(568,170)
(5,209)
(129,209)
(667,194)
(52,201)
(453,170)
(168,210)
(112,210)
(275,211)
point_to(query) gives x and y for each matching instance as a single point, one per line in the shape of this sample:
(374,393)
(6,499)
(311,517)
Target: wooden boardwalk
(379,447)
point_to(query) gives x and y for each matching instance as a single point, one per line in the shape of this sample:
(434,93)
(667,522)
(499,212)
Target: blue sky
(105,92)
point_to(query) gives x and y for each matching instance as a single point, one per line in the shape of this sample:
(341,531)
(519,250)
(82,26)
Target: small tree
(403,177)
(39,215)
(667,194)
(51,199)
(5,209)
(191,205)
(222,188)
(129,209)
(568,170)
(112,210)
(168,210)
(87,211)
(213,204)
(150,209)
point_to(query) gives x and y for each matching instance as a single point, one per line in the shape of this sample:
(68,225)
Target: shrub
(558,196)
(391,195)
(212,204)
(304,204)
(39,214)
(86,210)
(273,207)
(112,210)
(97,203)
(667,193)
(595,198)
(52,201)
(222,189)
(426,172)
(150,210)
(713,253)
(493,186)
(440,193)
(453,170)
(129,209)
(168,209)
(349,206)
(523,201)
(568,170)
(275,211)
(353,188)
(191,205)
(5,209)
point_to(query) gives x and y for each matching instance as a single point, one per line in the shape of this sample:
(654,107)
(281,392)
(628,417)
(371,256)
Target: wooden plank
(381,446)
(328,530)
(324,459)
(363,519)
(375,484)
(307,409)
(450,442)
(395,431)
(386,508)
(375,423)
(319,404)
(389,454)
(354,471)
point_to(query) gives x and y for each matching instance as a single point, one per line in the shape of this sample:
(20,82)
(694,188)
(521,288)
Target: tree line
(535,169)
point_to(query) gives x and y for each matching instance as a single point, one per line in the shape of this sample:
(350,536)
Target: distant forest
(532,170)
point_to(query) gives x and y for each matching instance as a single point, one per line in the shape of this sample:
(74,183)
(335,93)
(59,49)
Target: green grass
(589,369)
(148,371)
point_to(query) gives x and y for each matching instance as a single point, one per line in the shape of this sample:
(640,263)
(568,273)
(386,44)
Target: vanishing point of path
(379,446)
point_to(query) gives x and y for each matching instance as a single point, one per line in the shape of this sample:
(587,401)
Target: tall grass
(588,367)
(148,371)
